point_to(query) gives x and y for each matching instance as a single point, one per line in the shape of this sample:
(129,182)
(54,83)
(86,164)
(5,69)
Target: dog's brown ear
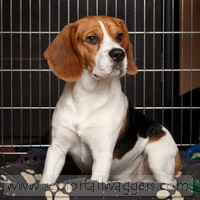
(132,68)
(62,56)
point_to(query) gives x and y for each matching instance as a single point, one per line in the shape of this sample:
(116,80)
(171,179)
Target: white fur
(161,156)
(87,121)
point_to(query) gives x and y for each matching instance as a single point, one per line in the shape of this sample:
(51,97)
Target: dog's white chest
(90,103)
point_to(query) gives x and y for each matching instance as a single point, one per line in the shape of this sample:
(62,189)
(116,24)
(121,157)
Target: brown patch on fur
(157,137)
(178,163)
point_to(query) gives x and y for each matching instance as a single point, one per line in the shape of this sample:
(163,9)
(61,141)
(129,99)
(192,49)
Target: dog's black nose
(117,54)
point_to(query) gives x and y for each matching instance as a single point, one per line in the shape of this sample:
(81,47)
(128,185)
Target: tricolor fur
(93,120)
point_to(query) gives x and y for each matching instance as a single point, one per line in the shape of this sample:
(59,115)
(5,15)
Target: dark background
(29,91)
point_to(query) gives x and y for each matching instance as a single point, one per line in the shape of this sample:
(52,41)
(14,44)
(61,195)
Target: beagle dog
(93,120)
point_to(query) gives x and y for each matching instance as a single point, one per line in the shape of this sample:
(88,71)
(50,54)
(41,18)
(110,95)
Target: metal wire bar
(163,58)
(125,17)
(144,56)
(135,52)
(153,66)
(46,145)
(30,74)
(181,81)
(49,41)
(191,66)
(40,76)
(137,107)
(130,32)
(2,83)
(139,70)
(21,79)
(11,78)
(172,78)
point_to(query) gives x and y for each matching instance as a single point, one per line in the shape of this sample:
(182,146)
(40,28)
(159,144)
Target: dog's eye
(92,39)
(119,37)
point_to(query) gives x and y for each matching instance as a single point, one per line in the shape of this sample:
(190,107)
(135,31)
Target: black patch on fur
(137,125)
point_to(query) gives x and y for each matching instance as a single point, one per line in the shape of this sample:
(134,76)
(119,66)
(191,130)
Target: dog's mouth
(114,69)
(118,69)
(116,72)
(96,76)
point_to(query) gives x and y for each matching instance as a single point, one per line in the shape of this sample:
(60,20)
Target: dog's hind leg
(161,155)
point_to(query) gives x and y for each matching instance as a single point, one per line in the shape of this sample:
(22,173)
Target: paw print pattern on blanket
(3,179)
(167,192)
(58,192)
(30,176)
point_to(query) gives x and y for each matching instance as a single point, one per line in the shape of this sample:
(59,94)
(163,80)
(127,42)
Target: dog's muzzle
(115,65)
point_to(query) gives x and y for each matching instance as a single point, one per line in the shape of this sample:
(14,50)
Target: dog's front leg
(62,140)
(54,163)
(101,166)
(101,145)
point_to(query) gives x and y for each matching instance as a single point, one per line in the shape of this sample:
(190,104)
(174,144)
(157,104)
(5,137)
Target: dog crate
(166,39)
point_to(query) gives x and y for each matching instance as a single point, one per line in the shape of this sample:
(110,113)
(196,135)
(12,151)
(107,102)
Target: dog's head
(99,44)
